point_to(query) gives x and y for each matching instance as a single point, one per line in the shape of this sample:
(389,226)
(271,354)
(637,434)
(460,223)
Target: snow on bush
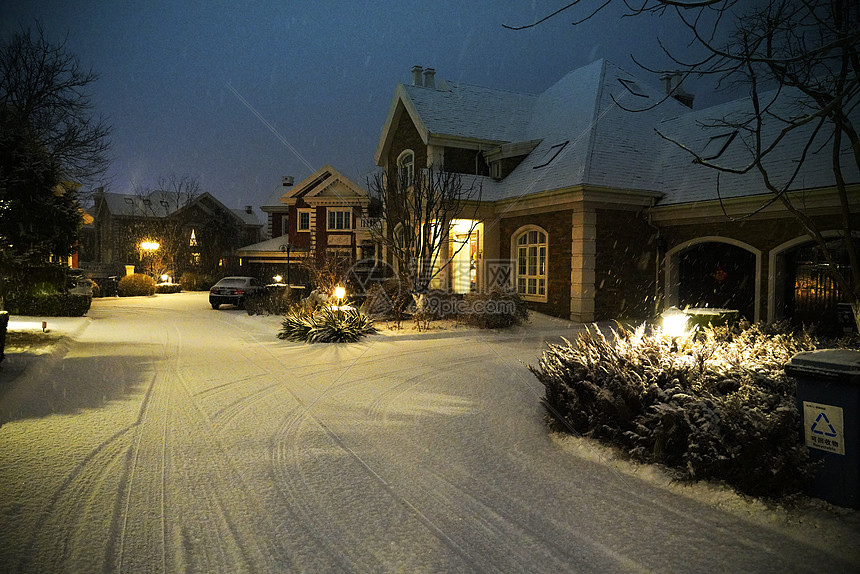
(325,325)
(495,309)
(135,285)
(716,405)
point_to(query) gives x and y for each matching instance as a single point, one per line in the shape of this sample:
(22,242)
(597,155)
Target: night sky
(173,75)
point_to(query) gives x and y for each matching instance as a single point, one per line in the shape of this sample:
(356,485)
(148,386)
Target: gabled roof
(598,127)
(585,137)
(484,116)
(162,204)
(326,186)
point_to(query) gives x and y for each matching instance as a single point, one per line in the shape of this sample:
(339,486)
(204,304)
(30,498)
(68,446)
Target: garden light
(674,322)
(339,293)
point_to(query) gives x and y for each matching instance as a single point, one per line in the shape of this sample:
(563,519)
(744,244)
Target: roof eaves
(387,135)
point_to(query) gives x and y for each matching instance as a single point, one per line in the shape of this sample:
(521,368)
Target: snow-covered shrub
(49,304)
(495,309)
(135,285)
(193,281)
(276,301)
(168,288)
(325,325)
(716,405)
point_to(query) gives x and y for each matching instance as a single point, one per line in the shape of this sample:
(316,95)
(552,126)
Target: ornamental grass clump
(325,325)
(717,405)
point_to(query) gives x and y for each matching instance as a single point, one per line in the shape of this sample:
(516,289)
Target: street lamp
(286,248)
(150,247)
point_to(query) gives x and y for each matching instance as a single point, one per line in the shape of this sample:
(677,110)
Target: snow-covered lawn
(160,435)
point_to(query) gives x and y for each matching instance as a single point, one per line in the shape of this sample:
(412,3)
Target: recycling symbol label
(823,427)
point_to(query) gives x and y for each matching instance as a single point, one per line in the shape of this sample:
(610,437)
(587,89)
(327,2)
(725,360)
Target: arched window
(530,255)
(406,167)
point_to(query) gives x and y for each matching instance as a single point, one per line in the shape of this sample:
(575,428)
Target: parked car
(234,291)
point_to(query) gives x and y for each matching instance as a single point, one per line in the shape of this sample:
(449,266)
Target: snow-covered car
(234,291)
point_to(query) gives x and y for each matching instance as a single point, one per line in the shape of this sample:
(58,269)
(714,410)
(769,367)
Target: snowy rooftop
(598,126)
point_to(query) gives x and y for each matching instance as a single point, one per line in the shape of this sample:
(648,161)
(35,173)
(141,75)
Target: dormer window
(633,88)
(717,145)
(550,155)
(406,167)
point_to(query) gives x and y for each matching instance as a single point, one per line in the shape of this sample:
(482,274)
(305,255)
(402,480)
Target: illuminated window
(339,219)
(193,241)
(406,167)
(530,254)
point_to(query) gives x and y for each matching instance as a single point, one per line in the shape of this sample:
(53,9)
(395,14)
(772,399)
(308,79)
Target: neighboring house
(325,213)
(195,233)
(590,214)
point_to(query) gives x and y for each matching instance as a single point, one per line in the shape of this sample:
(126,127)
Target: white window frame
(345,225)
(299,227)
(409,166)
(530,263)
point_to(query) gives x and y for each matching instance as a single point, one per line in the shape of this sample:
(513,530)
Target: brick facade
(557,225)
(625,269)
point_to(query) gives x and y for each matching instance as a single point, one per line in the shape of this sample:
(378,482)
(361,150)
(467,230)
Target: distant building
(325,213)
(196,233)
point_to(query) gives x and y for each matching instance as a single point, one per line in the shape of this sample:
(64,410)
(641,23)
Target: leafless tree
(799,63)
(159,221)
(418,210)
(45,87)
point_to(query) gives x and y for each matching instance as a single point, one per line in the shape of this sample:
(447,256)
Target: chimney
(288,181)
(672,87)
(249,209)
(416,76)
(430,78)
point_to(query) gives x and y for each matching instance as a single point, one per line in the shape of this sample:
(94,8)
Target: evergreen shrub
(325,325)
(37,303)
(496,308)
(276,301)
(168,288)
(193,281)
(715,405)
(135,285)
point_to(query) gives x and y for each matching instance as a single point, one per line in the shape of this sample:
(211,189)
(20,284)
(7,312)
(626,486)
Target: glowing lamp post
(674,322)
(150,247)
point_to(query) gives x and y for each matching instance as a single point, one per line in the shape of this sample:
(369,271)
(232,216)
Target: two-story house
(325,213)
(194,233)
(591,213)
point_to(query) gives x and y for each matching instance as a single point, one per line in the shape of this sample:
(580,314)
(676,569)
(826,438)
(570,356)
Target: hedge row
(717,405)
(49,305)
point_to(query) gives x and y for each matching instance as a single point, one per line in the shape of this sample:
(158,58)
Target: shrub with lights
(713,405)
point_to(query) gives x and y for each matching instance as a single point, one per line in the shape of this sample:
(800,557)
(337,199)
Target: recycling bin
(828,396)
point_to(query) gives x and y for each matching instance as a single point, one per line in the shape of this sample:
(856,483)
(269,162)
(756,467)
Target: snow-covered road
(168,437)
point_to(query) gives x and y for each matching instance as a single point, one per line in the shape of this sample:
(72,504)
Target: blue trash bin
(828,396)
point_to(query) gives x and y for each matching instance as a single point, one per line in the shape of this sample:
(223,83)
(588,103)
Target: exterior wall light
(277,279)
(674,322)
